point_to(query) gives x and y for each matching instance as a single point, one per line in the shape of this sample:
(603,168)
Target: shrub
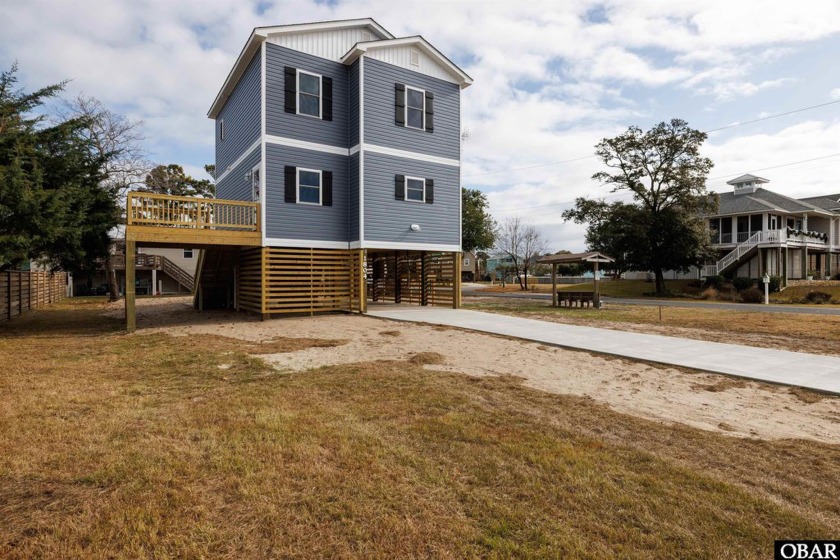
(709,293)
(715,282)
(816,296)
(752,295)
(741,283)
(775,283)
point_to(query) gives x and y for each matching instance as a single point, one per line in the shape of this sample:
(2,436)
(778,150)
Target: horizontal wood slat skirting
(415,277)
(275,280)
(22,291)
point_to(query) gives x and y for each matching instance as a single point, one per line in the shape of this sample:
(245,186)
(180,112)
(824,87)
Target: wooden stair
(215,278)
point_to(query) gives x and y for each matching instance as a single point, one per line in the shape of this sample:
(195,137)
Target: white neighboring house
(757,231)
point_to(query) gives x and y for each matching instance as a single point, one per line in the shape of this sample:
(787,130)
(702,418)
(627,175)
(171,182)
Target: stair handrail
(179,274)
(735,254)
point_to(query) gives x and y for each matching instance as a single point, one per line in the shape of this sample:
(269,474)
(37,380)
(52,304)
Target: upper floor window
(414,108)
(188,253)
(308,186)
(466,261)
(415,189)
(221,129)
(307,93)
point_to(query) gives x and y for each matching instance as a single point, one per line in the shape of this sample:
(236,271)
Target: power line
(788,164)
(768,117)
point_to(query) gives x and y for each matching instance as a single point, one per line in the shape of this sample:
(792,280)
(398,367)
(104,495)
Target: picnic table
(575,299)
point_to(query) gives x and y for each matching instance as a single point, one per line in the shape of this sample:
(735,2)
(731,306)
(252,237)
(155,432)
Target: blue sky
(551,79)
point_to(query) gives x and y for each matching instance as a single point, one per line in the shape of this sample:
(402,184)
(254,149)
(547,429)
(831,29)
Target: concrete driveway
(812,371)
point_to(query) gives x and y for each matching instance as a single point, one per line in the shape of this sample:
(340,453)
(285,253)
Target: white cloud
(548,83)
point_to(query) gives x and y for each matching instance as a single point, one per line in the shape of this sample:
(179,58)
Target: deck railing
(150,209)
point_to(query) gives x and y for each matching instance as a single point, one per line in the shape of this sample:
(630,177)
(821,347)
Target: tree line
(65,167)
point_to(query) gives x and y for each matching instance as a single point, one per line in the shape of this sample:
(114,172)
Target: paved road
(745,307)
(764,364)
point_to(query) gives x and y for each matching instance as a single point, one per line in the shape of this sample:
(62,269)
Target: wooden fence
(414,277)
(22,291)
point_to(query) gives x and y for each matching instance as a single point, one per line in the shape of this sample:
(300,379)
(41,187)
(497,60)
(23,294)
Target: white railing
(758,238)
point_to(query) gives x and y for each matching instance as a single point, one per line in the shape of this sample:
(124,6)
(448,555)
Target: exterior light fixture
(415,227)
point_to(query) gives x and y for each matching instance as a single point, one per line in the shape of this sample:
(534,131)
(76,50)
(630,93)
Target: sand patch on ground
(703,400)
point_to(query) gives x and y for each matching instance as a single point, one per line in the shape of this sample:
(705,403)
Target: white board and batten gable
(327,40)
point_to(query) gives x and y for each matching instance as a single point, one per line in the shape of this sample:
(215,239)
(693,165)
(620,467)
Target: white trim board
(409,155)
(263,164)
(239,160)
(305,243)
(304,145)
(400,246)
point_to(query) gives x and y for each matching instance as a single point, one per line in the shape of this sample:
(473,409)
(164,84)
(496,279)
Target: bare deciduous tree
(523,243)
(119,141)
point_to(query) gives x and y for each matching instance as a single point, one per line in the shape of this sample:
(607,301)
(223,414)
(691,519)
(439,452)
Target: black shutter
(430,111)
(399,187)
(291,89)
(430,191)
(326,99)
(399,104)
(326,186)
(291,184)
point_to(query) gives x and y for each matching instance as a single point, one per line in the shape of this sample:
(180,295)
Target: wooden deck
(181,221)
(160,220)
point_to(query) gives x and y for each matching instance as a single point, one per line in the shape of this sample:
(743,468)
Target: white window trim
(422,112)
(221,129)
(320,94)
(320,186)
(422,180)
(256,169)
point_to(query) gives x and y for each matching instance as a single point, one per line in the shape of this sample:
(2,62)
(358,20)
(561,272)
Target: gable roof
(384,39)
(826,202)
(463,79)
(260,34)
(747,178)
(592,256)
(763,200)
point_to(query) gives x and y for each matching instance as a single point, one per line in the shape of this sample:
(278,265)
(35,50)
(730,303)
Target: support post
(154,281)
(456,287)
(597,295)
(553,284)
(130,310)
(424,293)
(397,287)
(362,281)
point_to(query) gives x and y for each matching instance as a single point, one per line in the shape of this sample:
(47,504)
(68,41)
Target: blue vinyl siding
(241,114)
(234,185)
(389,220)
(353,197)
(300,221)
(353,104)
(380,128)
(302,127)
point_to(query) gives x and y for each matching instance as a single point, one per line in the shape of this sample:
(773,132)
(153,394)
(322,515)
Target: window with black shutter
(399,104)
(415,108)
(399,187)
(326,188)
(290,184)
(430,111)
(290,87)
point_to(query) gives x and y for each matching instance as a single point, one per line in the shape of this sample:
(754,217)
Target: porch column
(397,287)
(154,281)
(553,284)
(130,311)
(597,295)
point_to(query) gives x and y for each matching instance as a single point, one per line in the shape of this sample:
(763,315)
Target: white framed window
(415,189)
(309,88)
(415,108)
(466,261)
(188,253)
(221,129)
(309,189)
(255,183)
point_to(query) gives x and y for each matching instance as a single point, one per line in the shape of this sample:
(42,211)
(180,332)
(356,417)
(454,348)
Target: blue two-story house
(348,138)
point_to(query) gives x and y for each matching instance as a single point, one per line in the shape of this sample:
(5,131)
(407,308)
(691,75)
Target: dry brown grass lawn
(158,446)
(818,334)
